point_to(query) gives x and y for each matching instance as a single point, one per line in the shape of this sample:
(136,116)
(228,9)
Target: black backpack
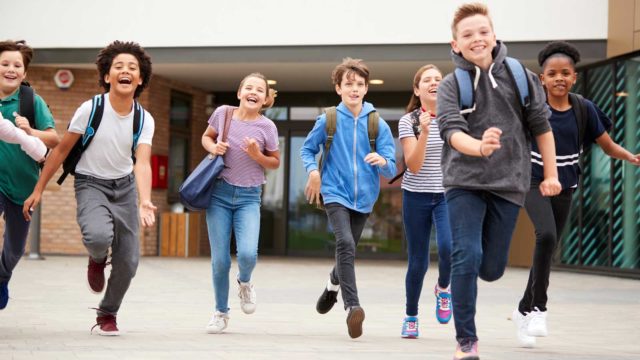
(579,106)
(415,125)
(27,103)
(97,109)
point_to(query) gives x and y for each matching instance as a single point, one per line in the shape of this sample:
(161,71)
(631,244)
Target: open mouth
(252,99)
(125,81)
(433,91)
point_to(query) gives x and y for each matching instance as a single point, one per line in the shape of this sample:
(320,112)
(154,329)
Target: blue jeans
(237,208)
(419,212)
(482,225)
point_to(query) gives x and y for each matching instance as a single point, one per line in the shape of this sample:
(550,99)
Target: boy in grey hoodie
(486,163)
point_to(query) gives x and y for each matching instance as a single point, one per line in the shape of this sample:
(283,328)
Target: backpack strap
(227,123)
(518,74)
(466,91)
(138,123)
(372,129)
(580,111)
(27,104)
(330,128)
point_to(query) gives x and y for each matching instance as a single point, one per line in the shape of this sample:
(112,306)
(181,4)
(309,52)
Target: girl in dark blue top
(549,214)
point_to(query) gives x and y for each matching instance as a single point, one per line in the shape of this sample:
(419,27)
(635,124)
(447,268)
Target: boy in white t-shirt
(107,174)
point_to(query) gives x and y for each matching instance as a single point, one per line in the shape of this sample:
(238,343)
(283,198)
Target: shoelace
(245,293)
(410,325)
(107,315)
(443,302)
(467,345)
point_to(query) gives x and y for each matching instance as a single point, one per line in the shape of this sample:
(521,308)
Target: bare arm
(468,145)
(142,171)
(550,186)
(51,165)
(616,151)
(209,142)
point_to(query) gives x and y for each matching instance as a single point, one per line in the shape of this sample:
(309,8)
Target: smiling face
(252,93)
(475,39)
(12,72)
(558,76)
(427,89)
(124,75)
(352,89)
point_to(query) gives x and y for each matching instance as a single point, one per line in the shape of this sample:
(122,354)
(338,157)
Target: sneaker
(107,325)
(522,324)
(95,275)
(354,321)
(443,304)
(467,350)
(4,294)
(218,322)
(326,301)
(538,323)
(410,327)
(247,295)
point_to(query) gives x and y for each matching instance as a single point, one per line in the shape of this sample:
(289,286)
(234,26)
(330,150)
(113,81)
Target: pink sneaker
(443,304)
(467,350)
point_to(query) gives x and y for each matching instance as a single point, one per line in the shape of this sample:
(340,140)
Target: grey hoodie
(507,172)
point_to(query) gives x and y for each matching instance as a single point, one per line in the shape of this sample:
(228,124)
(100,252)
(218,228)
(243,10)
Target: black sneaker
(354,321)
(326,301)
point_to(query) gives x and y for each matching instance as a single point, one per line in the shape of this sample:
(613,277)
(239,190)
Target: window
(179,135)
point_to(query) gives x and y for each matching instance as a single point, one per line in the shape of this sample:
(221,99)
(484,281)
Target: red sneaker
(107,325)
(95,275)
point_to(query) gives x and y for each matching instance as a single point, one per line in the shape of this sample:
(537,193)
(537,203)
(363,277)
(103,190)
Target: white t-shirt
(109,154)
(429,178)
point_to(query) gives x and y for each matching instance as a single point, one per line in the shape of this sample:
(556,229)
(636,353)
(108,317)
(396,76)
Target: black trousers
(549,216)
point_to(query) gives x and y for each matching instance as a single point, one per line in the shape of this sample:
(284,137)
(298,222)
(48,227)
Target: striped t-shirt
(240,169)
(429,178)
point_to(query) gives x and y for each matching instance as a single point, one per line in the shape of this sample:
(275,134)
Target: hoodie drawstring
(494,84)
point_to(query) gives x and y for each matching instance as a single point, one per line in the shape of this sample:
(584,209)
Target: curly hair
(558,48)
(22,47)
(106,56)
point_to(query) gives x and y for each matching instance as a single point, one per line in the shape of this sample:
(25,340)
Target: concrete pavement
(170,302)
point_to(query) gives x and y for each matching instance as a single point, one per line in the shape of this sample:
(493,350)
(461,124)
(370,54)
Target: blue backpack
(97,109)
(466,89)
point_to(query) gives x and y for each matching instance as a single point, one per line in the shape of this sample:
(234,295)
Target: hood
(499,53)
(366,109)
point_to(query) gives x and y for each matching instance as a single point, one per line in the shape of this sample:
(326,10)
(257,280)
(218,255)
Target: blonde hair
(467,10)
(414,102)
(350,66)
(271,93)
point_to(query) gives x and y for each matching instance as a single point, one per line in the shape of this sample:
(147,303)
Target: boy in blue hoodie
(350,181)
(486,163)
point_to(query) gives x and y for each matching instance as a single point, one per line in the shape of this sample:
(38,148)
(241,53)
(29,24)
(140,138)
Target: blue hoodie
(346,178)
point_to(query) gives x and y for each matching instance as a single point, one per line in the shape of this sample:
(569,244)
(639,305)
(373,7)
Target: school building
(201,50)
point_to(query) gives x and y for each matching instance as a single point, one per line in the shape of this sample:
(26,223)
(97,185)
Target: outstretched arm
(616,151)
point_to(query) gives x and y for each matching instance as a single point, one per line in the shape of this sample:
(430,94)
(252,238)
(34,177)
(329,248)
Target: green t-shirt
(18,172)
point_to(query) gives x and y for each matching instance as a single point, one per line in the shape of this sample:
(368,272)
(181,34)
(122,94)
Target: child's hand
(550,187)
(251,148)
(312,189)
(220,148)
(375,159)
(147,213)
(23,123)
(635,159)
(30,204)
(425,122)
(490,141)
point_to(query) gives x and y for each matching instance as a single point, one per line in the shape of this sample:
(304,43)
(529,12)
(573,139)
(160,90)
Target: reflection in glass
(272,225)
(177,163)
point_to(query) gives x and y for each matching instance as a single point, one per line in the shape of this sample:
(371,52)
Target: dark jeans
(482,225)
(419,212)
(549,216)
(16,229)
(347,227)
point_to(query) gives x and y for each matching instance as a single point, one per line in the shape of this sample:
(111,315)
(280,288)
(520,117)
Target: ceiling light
(376,81)
(622,94)
(271,82)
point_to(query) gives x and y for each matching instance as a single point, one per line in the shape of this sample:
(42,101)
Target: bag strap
(466,96)
(372,129)
(330,128)
(518,74)
(581,114)
(227,123)
(27,104)
(138,124)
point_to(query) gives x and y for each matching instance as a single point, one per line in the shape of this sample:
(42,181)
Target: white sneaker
(538,323)
(247,295)
(218,322)
(522,324)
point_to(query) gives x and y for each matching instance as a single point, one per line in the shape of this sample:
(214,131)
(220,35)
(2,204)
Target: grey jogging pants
(108,218)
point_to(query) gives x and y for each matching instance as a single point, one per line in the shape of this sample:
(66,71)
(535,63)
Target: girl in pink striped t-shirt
(251,147)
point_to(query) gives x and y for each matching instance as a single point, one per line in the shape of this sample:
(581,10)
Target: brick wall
(60,233)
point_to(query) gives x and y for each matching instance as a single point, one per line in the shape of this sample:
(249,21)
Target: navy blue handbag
(195,191)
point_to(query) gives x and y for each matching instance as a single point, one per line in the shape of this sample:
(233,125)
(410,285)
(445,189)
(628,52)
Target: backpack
(330,127)
(97,109)
(466,88)
(27,103)
(579,106)
(415,126)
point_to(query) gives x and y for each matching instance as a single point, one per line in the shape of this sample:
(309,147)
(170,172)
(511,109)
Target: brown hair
(467,10)
(414,102)
(106,56)
(22,47)
(350,67)
(271,93)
